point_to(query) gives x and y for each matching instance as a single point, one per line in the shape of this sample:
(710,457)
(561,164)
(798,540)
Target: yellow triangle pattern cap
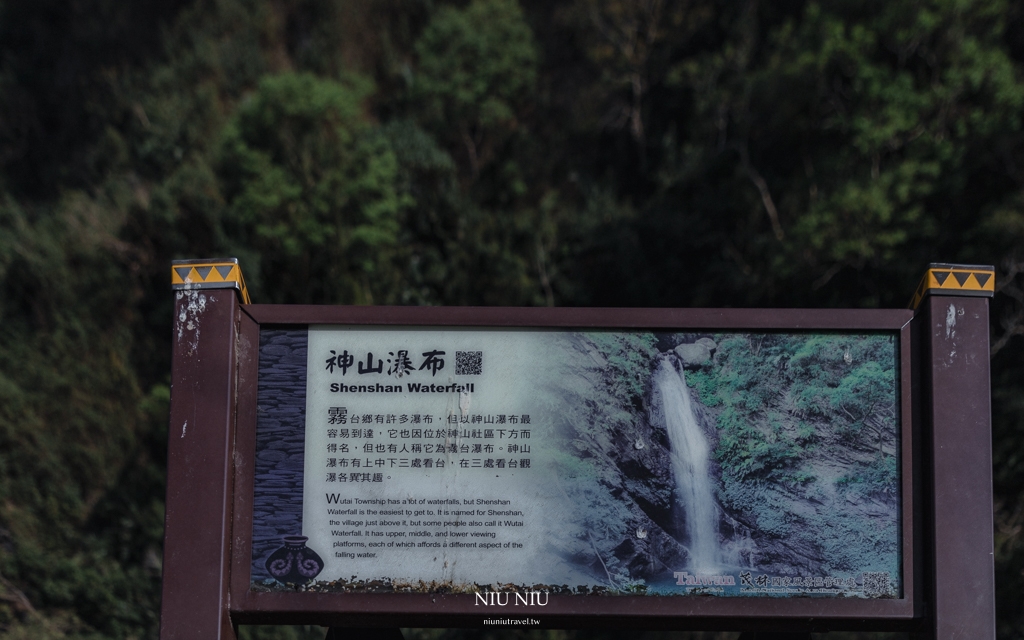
(944,279)
(214,273)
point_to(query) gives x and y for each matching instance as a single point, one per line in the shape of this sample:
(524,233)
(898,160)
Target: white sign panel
(637,463)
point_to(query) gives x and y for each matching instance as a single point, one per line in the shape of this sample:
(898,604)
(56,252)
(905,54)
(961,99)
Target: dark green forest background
(490,152)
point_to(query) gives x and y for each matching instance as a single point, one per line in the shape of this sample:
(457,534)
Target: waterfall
(690,453)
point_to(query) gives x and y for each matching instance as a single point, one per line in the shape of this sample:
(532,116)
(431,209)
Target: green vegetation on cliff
(810,419)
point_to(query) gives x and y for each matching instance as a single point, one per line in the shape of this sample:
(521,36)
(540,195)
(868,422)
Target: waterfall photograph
(690,457)
(731,464)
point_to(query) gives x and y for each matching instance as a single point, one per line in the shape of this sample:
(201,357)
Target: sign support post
(952,317)
(197,534)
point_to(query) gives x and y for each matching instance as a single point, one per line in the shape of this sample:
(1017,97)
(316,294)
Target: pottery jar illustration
(294,563)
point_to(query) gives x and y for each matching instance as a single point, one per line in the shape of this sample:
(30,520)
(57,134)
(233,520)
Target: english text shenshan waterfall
(690,451)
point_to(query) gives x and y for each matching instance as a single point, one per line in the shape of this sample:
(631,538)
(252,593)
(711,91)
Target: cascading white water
(690,453)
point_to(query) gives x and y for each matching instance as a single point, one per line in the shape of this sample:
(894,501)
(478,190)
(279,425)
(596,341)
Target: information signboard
(670,468)
(730,469)
(539,462)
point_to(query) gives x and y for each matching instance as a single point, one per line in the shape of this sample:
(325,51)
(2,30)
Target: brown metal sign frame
(211,461)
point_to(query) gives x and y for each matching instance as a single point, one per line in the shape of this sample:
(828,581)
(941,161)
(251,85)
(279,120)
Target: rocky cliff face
(802,454)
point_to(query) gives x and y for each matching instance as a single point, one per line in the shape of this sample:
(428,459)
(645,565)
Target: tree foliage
(499,152)
(476,66)
(310,190)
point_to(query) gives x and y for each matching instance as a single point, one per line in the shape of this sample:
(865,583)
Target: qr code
(876,585)
(468,363)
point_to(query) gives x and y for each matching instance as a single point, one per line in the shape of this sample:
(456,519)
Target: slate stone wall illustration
(280,442)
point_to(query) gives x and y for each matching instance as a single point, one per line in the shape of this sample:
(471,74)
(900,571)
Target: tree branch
(762,188)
